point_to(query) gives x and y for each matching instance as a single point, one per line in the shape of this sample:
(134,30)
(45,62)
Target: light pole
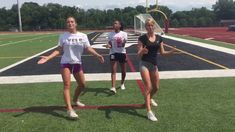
(20,23)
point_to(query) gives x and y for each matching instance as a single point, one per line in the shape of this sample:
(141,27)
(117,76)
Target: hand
(108,46)
(174,50)
(101,58)
(144,50)
(43,59)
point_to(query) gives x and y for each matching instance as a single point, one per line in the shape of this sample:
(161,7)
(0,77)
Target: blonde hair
(149,20)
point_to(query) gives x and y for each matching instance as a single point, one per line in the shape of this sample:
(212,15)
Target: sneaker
(72,114)
(113,89)
(154,103)
(151,116)
(123,87)
(79,103)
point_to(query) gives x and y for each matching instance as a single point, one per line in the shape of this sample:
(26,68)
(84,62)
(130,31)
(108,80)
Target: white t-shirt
(117,40)
(73,46)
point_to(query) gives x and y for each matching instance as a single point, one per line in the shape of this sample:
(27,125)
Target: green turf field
(16,47)
(185,105)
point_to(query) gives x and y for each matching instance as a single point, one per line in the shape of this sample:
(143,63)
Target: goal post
(156,9)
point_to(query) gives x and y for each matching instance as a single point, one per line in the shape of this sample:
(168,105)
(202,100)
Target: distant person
(149,45)
(71,45)
(116,43)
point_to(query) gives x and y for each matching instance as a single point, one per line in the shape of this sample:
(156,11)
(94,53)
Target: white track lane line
(204,45)
(130,76)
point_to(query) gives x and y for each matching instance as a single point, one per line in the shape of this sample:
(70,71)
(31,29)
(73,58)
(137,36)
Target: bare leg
(65,72)
(113,72)
(147,82)
(155,82)
(80,79)
(123,70)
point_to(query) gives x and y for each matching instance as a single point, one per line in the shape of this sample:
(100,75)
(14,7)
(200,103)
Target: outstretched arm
(94,53)
(168,53)
(55,53)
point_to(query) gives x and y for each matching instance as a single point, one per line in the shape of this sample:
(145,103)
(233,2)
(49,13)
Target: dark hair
(122,26)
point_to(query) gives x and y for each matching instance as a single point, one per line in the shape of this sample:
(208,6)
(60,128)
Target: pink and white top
(117,40)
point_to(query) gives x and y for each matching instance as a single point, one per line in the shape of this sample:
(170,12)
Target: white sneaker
(79,103)
(154,103)
(113,89)
(72,114)
(151,116)
(123,87)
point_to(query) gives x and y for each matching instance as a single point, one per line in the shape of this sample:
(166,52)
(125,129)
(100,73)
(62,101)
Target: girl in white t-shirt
(116,43)
(71,45)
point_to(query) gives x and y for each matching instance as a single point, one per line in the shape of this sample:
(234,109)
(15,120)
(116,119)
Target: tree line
(52,16)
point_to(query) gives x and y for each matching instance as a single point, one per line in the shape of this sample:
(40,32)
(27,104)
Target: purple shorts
(74,68)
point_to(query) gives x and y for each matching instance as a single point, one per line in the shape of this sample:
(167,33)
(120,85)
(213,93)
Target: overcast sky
(174,5)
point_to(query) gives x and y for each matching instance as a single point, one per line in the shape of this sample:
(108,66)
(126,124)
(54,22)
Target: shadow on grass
(49,110)
(57,111)
(99,91)
(129,111)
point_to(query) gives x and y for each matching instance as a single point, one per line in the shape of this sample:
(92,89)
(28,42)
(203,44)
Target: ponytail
(122,27)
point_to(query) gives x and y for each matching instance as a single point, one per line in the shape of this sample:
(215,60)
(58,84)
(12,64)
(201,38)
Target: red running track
(217,33)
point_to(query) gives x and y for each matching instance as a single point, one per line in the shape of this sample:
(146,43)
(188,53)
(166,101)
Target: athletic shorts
(120,57)
(143,65)
(74,68)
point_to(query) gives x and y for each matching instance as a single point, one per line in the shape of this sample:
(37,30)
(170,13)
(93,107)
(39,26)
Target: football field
(196,92)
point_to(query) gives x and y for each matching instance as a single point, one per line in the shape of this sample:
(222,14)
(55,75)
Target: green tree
(174,23)
(224,9)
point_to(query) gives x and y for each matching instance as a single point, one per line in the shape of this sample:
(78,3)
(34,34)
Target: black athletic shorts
(120,57)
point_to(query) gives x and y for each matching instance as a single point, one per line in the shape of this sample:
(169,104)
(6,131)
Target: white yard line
(204,45)
(209,38)
(130,76)
(24,60)
(25,35)
(11,43)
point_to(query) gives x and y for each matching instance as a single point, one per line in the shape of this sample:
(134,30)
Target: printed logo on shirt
(74,41)
(119,41)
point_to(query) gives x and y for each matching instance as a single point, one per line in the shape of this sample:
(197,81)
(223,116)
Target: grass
(212,42)
(184,105)
(40,42)
(23,49)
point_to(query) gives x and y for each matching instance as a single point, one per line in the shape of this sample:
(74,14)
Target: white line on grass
(130,76)
(11,43)
(22,61)
(25,35)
